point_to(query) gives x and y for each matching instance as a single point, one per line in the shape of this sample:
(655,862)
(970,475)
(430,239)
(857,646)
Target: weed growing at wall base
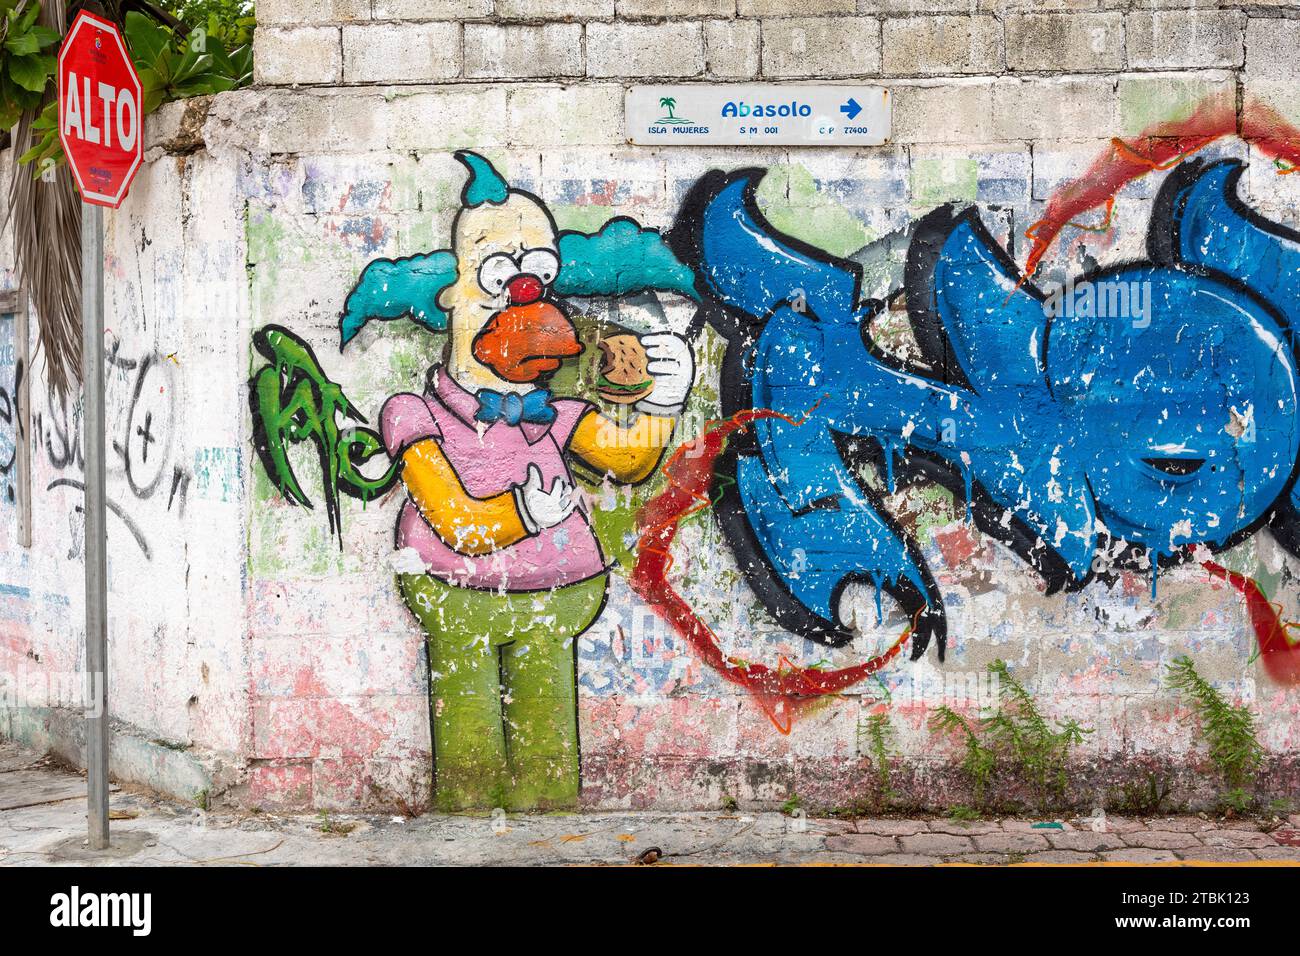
(1018,738)
(1229,729)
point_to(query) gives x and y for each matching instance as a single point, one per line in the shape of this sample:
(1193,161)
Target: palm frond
(46,215)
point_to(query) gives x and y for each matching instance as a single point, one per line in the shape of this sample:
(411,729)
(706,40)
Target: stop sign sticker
(100,110)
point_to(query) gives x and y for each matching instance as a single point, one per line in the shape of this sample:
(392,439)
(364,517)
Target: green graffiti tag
(292,401)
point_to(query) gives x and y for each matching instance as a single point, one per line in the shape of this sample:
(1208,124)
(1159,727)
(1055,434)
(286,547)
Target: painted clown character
(508,569)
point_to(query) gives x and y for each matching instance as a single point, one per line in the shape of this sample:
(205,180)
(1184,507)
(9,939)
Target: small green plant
(1229,729)
(1020,730)
(962,813)
(1236,802)
(729,803)
(1016,735)
(978,761)
(791,806)
(1139,798)
(879,733)
(1280,807)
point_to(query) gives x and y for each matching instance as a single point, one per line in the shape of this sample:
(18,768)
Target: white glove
(672,365)
(540,508)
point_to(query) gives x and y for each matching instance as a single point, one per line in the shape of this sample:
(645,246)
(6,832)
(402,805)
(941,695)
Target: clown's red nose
(524,289)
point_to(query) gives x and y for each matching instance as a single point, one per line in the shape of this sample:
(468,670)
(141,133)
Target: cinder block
(676,8)
(554,9)
(1193,39)
(1052,107)
(315,12)
(731,48)
(1065,43)
(644,49)
(912,7)
(431,9)
(564,116)
(401,52)
(790,8)
(937,45)
(553,49)
(953,112)
(283,56)
(1163,104)
(1272,48)
(448,118)
(821,46)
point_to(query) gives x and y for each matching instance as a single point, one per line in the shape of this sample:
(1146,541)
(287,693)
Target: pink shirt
(488,464)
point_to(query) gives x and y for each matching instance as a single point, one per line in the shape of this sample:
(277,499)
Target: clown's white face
(505,335)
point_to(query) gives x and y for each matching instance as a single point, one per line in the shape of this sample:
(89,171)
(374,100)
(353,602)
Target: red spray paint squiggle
(1158,147)
(1280,656)
(780,692)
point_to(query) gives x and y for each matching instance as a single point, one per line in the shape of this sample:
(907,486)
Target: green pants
(503,693)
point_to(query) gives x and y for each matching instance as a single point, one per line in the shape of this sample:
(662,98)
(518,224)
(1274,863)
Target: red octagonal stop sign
(100,110)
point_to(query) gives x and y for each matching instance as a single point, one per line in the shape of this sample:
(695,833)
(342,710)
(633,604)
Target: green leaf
(32,72)
(191,65)
(27,18)
(23,44)
(44,35)
(147,39)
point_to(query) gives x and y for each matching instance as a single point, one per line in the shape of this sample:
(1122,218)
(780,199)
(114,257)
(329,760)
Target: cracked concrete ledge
(148,830)
(133,757)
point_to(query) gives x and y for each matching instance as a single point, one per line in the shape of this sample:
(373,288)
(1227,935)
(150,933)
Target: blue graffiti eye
(1176,467)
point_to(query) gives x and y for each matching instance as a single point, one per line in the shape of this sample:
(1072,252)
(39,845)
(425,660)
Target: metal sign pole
(92,430)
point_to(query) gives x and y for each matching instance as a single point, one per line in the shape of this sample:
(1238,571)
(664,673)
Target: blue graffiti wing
(963,295)
(988,331)
(1200,219)
(748,264)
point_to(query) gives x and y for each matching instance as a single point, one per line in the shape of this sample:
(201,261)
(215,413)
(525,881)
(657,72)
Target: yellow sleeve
(467,524)
(630,453)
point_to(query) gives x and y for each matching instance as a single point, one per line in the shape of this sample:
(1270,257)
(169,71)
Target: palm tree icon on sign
(668,103)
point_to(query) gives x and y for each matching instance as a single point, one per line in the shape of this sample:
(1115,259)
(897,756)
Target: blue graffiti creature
(1143,409)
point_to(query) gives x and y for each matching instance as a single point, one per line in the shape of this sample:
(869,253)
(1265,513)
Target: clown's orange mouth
(525,342)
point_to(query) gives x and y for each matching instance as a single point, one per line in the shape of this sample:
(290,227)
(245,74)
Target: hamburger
(623,378)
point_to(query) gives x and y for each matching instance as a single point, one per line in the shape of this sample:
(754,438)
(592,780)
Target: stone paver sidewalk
(49,827)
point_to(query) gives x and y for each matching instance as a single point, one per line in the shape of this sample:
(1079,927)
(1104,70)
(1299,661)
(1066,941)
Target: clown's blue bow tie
(535,406)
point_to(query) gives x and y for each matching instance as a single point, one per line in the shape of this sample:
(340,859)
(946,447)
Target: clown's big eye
(542,263)
(495,272)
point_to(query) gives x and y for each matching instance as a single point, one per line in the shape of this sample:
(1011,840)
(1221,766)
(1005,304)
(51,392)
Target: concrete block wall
(309,687)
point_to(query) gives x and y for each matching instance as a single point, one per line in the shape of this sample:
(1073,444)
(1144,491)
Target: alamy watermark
(1102,299)
(70,690)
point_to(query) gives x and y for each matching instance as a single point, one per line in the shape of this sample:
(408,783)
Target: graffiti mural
(1138,417)
(1139,412)
(500,563)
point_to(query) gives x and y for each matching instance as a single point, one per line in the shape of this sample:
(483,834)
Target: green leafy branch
(1017,735)
(174,64)
(27,59)
(1228,729)
(978,761)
